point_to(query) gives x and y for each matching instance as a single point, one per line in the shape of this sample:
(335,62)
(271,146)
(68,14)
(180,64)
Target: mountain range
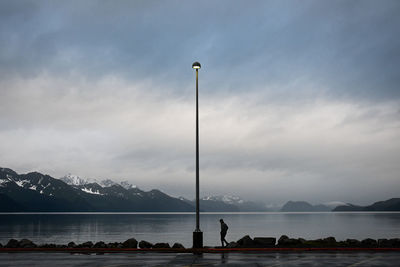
(392,204)
(36,192)
(300,206)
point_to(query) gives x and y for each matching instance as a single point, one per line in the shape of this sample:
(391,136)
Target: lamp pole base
(197,239)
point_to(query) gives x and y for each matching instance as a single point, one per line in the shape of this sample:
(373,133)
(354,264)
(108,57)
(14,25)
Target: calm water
(61,228)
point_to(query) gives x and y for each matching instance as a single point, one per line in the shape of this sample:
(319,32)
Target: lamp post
(197,234)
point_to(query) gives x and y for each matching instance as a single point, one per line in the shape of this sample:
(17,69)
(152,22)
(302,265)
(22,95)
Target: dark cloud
(346,48)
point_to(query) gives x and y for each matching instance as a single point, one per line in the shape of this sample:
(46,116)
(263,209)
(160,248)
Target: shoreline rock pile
(329,242)
(245,242)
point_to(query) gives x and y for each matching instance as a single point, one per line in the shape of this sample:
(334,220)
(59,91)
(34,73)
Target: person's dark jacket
(224,228)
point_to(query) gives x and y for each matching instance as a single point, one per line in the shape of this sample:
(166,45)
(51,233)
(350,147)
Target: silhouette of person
(224,229)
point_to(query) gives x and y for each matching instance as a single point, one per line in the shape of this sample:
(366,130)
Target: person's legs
(223,239)
(226,241)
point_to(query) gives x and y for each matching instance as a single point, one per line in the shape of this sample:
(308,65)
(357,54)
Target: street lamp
(197,234)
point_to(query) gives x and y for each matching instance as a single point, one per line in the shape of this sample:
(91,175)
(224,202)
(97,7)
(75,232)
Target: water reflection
(165,227)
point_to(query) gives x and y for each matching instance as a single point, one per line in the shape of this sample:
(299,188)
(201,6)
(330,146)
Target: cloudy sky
(299,100)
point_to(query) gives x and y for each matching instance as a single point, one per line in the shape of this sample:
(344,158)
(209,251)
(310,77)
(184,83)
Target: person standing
(224,230)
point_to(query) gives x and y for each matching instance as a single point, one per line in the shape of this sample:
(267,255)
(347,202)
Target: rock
(353,243)
(130,243)
(177,245)
(115,245)
(100,244)
(395,242)
(232,245)
(329,240)
(342,244)
(161,245)
(26,243)
(71,245)
(12,243)
(88,244)
(265,242)
(145,244)
(283,238)
(389,243)
(285,241)
(246,242)
(369,243)
(302,240)
(384,243)
(48,245)
(303,243)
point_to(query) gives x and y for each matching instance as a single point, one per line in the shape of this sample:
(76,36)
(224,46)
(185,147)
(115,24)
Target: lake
(61,228)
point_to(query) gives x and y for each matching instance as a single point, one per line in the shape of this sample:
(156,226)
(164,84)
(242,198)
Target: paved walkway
(348,259)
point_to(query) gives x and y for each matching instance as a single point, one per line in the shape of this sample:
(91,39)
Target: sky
(299,100)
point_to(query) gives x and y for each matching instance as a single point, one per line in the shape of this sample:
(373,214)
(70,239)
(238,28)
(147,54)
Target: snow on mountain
(228,199)
(71,179)
(127,185)
(76,180)
(3,182)
(91,191)
(107,183)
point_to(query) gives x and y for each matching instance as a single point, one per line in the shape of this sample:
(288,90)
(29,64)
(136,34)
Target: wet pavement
(349,259)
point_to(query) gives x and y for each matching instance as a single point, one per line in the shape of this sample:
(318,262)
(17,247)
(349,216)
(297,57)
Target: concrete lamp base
(197,239)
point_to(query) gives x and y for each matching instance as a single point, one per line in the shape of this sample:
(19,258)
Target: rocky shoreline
(245,242)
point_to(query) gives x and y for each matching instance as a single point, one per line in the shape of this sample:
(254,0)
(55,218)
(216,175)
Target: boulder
(282,239)
(45,245)
(26,243)
(177,245)
(302,240)
(246,242)
(145,244)
(353,243)
(265,242)
(51,245)
(100,244)
(12,243)
(285,241)
(369,243)
(88,244)
(130,243)
(114,245)
(329,240)
(395,242)
(384,243)
(232,245)
(71,245)
(389,243)
(161,245)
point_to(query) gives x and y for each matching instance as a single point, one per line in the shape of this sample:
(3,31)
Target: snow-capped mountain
(228,199)
(231,203)
(76,180)
(106,183)
(127,185)
(38,192)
